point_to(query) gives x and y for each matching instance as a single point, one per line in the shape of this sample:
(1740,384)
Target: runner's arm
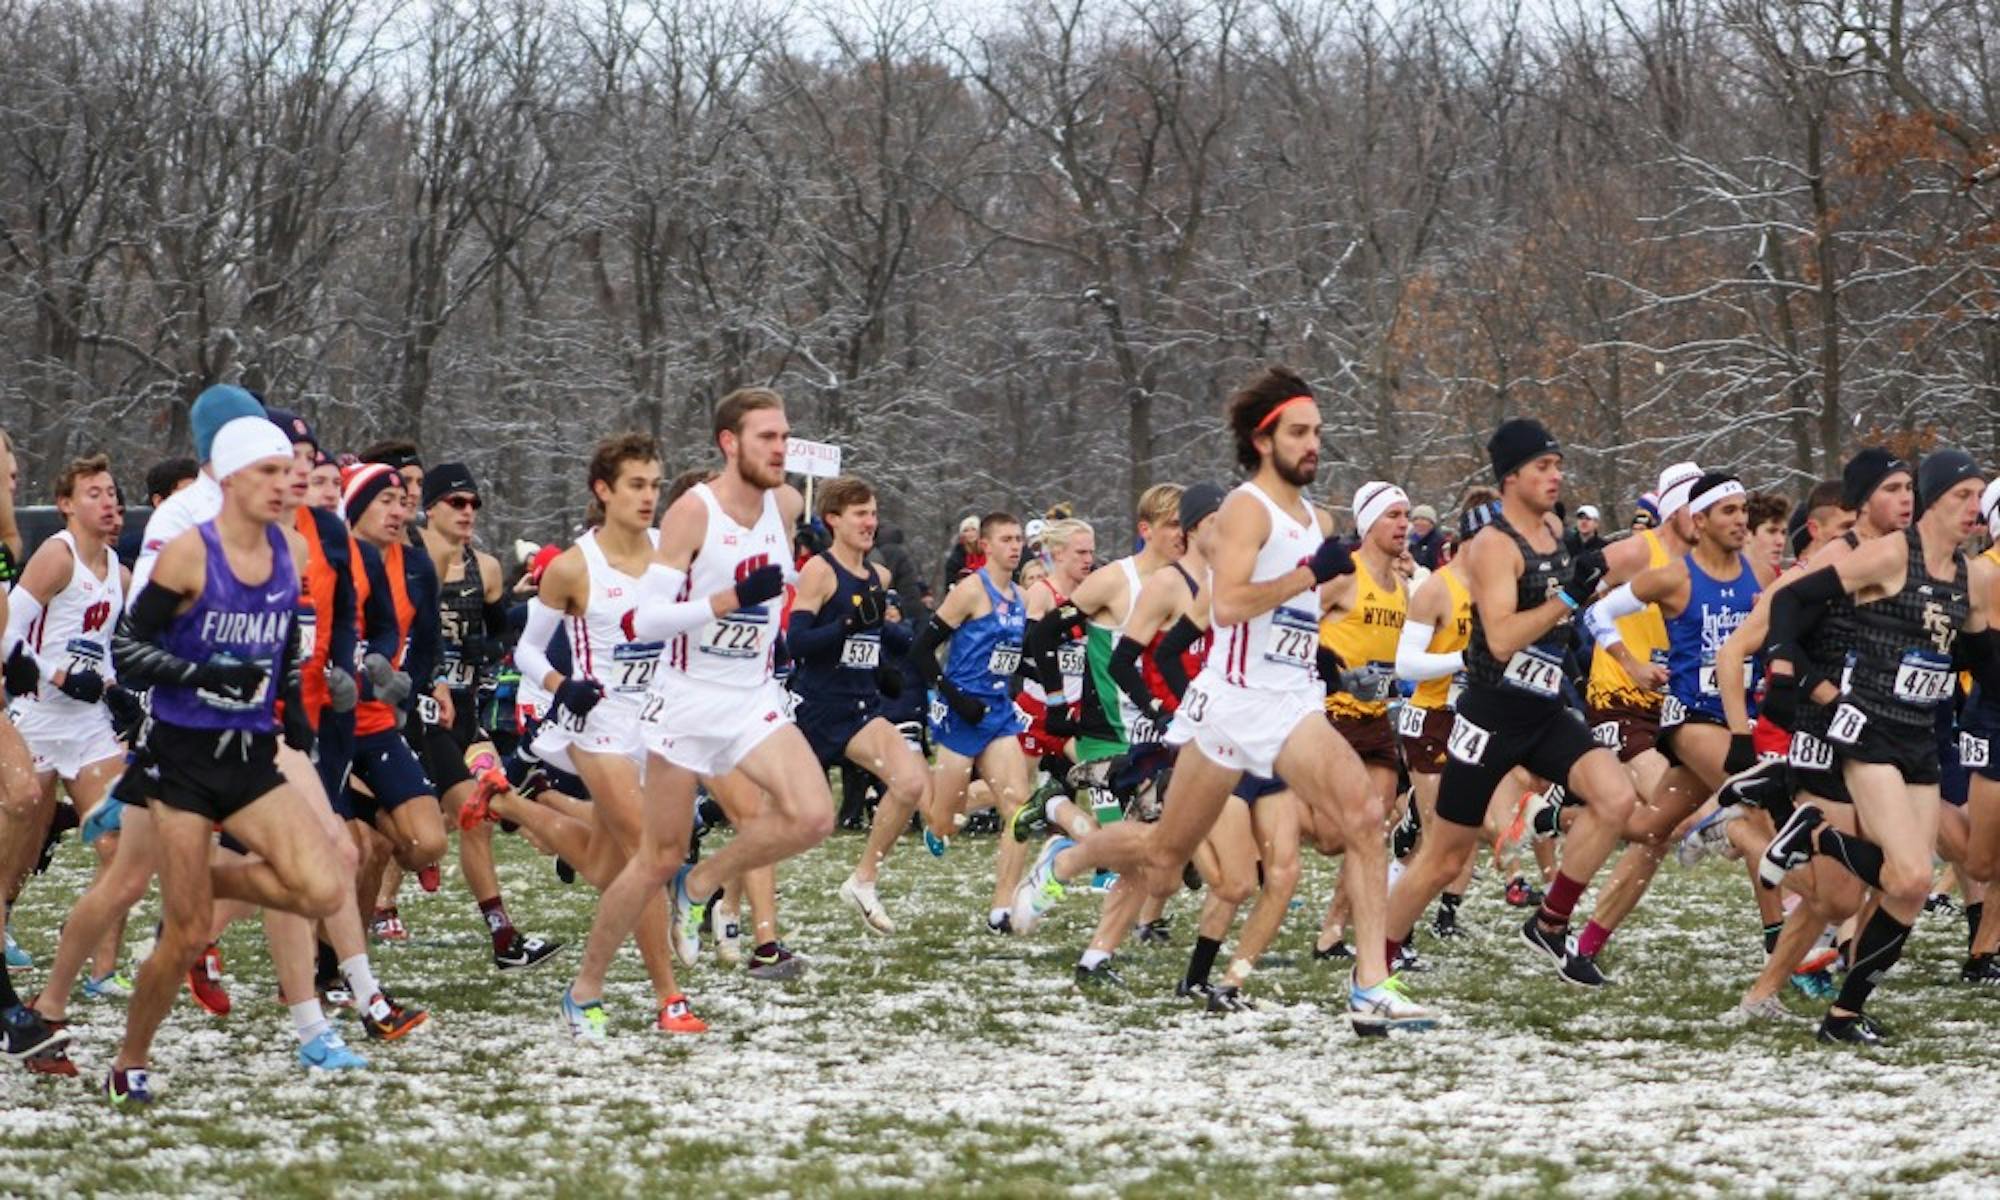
(1180,637)
(1416,662)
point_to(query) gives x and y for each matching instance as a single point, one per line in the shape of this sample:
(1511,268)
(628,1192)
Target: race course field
(946,1061)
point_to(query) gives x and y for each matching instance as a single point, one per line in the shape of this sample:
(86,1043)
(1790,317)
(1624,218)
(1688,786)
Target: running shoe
(1101,881)
(23,1032)
(1033,817)
(1759,1012)
(1445,924)
(1522,894)
(1941,902)
(1386,1006)
(521,953)
(1709,836)
(587,1020)
(387,926)
(17,958)
(128,1085)
(1004,927)
(862,896)
(115,986)
(1040,890)
(1228,998)
(1407,960)
(1340,949)
(54,1062)
(385,1020)
(775,964)
(1581,970)
(328,1053)
(1857,1030)
(1817,986)
(1793,847)
(935,844)
(1768,786)
(1554,944)
(678,1017)
(1157,932)
(428,878)
(205,983)
(1820,958)
(728,938)
(686,917)
(477,809)
(565,872)
(1403,838)
(1981,969)
(1099,978)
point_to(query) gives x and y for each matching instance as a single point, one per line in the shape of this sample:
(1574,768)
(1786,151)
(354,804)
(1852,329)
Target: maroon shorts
(1373,738)
(1626,729)
(1424,751)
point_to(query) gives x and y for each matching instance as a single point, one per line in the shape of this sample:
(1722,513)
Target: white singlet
(736,648)
(602,651)
(73,633)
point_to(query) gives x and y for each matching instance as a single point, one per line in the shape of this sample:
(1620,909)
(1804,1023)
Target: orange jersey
(374,716)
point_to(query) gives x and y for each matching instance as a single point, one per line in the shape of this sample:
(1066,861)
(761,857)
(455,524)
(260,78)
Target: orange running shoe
(478,807)
(678,1017)
(387,1020)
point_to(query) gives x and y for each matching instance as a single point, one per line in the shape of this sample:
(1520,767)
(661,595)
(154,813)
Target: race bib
(1847,724)
(939,710)
(1711,684)
(1467,742)
(1373,683)
(1974,752)
(1534,671)
(1409,721)
(1194,705)
(429,710)
(308,622)
(734,637)
(1140,730)
(1456,690)
(1294,639)
(458,674)
(1672,711)
(1810,754)
(81,654)
(1004,661)
(1923,678)
(1072,660)
(861,653)
(633,665)
(1607,735)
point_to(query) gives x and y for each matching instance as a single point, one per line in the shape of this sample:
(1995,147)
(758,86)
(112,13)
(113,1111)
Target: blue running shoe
(17,958)
(128,1085)
(688,917)
(587,1021)
(115,986)
(1040,889)
(328,1053)
(935,844)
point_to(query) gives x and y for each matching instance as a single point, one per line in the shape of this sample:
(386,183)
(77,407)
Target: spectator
(1589,531)
(965,557)
(894,554)
(1425,536)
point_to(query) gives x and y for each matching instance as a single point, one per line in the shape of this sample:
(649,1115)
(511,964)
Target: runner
(839,633)
(23,1032)
(1257,708)
(1524,589)
(1917,612)
(973,723)
(457,756)
(1703,597)
(1979,752)
(725,551)
(591,592)
(212,631)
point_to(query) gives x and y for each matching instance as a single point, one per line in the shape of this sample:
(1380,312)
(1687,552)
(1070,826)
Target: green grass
(946,1061)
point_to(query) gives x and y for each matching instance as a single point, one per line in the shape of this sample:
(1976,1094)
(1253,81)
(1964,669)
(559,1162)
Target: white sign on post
(821,459)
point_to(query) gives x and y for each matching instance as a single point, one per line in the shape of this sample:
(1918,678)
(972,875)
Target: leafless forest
(1007,255)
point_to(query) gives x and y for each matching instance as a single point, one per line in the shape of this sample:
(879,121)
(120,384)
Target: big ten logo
(95,617)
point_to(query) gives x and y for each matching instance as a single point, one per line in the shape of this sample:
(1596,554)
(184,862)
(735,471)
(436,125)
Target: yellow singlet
(1365,636)
(1645,635)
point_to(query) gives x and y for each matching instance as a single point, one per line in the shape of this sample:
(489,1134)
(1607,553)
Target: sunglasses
(462,502)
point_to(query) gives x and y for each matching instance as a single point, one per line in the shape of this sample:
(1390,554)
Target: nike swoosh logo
(273,597)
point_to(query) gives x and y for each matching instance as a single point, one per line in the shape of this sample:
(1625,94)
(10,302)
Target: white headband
(1675,484)
(1716,495)
(244,441)
(1374,498)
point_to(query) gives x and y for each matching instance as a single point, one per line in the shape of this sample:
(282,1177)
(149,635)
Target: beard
(1300,472)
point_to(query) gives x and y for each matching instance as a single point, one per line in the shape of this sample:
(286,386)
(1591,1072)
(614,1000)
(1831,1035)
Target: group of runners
(312,677)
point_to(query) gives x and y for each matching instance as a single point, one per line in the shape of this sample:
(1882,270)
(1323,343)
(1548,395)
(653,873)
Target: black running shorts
(1493,734)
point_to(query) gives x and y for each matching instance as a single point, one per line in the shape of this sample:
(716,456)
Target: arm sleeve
(659,616)
(1130,679)
(135,648)
(345,636)
(22,612)
(896,638)
(1602,617)
(292,664)
(1979,653)
(811,639)
(378,616)
(1415,661)
(1167,660)
(428,628)
(923,651)
(1042,645)
(1796,608)
(531,654)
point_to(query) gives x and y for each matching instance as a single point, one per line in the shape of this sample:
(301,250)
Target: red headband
(1281,406)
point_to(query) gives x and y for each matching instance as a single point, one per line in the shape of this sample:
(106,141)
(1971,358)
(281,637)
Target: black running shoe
(1547,823)
(1004,927)
(1793,847)
(1581,970)
(1229,999)
(1033,817)
(1190,990)
(1100,977)
(1445,924)
(1554,943)
(1981,969)
(564,871)
(524,952)
(1339,949)
(1403,838)
(23,1033)
(1190,878)
(1156,932)
(1768,786)
(1856,1030)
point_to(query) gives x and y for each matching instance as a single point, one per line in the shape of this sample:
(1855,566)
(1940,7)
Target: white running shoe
(862,897)
(1762,1011)
(1710,836)
(728,940)
(1377,1010)
(1039,890)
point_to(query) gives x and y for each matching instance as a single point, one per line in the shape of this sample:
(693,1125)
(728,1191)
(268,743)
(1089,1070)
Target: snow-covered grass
(946,1060)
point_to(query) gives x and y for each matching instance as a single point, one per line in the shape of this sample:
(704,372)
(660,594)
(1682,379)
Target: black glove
(85,685)
(1333,558)
(889,681)
(1742,754)
(22,674)
(579,696)
(1060,720)
(970,709)
(478,651)
(127,711)
(1584,575)
(760,585)
(298,727)
(230,677)
(1781,702)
